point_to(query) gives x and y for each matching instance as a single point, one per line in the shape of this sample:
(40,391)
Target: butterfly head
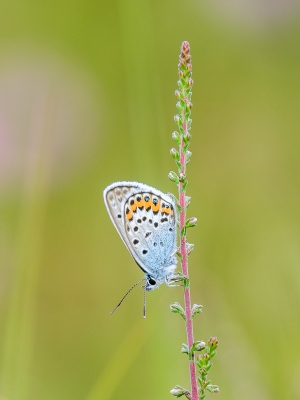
(152,283)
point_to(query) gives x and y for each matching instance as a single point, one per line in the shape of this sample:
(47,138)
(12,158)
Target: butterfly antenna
(126,295)
(144,312)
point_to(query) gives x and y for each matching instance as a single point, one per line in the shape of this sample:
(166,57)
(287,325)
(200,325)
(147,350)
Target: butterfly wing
(145,219)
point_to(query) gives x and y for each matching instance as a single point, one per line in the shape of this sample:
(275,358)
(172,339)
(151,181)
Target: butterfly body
(145,218)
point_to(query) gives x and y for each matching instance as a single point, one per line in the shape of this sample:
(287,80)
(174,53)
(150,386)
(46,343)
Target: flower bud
(176,137)
(179,391)
(187,137)
(199,345)
(176,308)
(176,392)
(213,342)
(182,177)
(191,222)
(213,388)
(174,153)
(196,309)
(179,106)
(173,177)
(184,349)
(188,156)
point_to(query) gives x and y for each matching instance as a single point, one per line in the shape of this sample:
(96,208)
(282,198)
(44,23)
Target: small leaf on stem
(187,200)
(174,153)
(189,247)
(213,388)
(173,177)
(176,137)
(185,349)
(188,156)
(179,391)
(191,222)
(196,309)
(199,345)
(177,309)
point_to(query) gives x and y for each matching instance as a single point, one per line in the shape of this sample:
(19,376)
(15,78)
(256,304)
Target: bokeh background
(86,99)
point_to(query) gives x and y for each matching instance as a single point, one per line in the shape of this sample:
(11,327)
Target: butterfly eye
(151,281)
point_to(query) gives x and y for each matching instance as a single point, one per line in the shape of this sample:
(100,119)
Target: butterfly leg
(172,279)
(177,277)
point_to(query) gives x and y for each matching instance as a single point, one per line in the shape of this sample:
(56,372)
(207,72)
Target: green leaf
(184,185)
(196,309)
(179,391)
(177,309)
(188,156)
(174,153)
(176,137)
(213,388)
(189,247)
(173,177)
(185,349)
(179,208)
(191,222)
(187,200)
(199,345)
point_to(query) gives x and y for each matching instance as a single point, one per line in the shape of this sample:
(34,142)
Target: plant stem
(184,266)
(182,157)
(185,97)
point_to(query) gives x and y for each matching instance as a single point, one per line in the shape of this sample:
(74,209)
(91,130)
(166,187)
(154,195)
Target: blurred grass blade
(126,353)
(18,345)
(145,107)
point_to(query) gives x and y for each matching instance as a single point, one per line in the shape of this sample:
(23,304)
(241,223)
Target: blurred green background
(86,99)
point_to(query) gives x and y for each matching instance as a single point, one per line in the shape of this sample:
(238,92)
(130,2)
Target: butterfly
(146,220)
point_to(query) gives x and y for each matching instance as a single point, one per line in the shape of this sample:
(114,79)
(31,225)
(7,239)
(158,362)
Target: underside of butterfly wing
(150,223)
(145,218)
(114,196)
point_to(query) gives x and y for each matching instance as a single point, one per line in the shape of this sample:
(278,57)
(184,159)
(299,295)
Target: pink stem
(184,266)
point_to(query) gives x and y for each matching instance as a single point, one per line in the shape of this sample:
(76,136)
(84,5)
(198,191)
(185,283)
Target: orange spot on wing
(156,207)
(129,216)
(133,206)
(140,203)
